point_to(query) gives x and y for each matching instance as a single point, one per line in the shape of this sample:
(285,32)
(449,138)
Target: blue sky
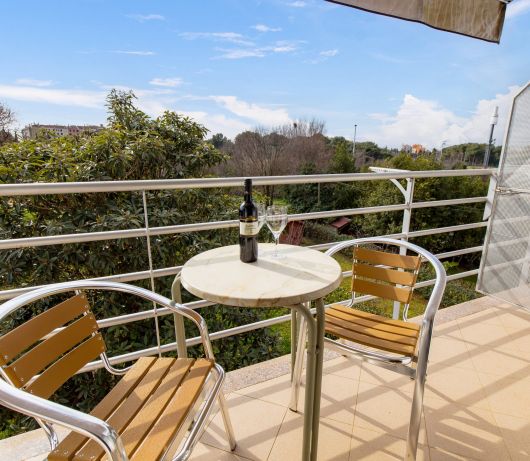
(236,64)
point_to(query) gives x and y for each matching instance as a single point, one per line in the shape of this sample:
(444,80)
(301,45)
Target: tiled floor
(477,402)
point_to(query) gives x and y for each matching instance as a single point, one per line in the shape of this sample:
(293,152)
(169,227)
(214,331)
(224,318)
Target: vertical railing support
(408,195)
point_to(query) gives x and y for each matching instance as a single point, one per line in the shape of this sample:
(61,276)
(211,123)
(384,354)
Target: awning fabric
(481,19)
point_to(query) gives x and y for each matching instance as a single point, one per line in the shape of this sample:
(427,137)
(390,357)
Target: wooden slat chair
(391,343)
(159,408)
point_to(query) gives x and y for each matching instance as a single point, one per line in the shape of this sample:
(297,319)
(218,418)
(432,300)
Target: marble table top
(301,275)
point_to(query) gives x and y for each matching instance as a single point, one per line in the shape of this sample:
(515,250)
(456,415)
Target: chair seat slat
(380,323)
(123,415)
(374,317)
(374,332)
(74,441)
(149,414)
(62,370)
(160,437)
(370,341)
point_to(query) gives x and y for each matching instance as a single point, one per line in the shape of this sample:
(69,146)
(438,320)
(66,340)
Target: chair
(397,345)
(157,410)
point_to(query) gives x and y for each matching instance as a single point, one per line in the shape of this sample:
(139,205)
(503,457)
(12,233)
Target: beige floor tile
(277,390)
(376,446)
(203,452)
(485,335)
(512,364)
(346,367)
(255,422)
(447,329)
(337,402)
(385,410)
(446,351)
(379,376)
(516,434)
(517,319)
(333,441)
(507,396)
(486,316)
(439,454)
(468,432)
(456,385)
(520,337)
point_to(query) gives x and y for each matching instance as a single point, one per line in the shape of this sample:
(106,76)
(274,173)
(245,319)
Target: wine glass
(261,215)
(276,221)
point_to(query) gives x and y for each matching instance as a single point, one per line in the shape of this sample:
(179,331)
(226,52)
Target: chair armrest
(90,426)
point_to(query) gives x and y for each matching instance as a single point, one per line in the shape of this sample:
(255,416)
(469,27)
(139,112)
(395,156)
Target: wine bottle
(248,227)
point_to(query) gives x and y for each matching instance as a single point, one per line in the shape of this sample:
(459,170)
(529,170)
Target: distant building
(417,149)
(31,131)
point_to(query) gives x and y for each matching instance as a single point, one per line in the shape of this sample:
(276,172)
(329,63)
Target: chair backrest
(41,364)
(383,274)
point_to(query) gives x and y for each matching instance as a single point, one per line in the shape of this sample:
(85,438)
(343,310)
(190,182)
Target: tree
(7,118)
(132,146)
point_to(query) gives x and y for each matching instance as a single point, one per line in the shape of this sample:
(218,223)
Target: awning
(481,19)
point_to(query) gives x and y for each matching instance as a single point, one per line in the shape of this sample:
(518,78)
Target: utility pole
(494,119)
(444,143)
(354,139)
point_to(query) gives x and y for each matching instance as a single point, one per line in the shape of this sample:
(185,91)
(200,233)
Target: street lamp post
(494,119)
(354,139)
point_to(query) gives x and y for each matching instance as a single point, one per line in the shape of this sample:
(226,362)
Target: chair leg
(415,418)
(298,366)
(226,421)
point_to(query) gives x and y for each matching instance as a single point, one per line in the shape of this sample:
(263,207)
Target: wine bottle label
(249,228)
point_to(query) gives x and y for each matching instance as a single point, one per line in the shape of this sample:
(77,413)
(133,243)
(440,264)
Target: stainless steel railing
(8,190)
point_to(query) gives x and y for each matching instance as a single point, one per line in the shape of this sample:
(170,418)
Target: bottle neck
(248,196)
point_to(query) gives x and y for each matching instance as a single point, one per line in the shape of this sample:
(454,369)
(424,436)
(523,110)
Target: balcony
(476,404)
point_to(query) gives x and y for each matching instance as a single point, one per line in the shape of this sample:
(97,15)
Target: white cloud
(232,37)
(264,28)
(254,112)
(329,53)
(297,4)
(33,82)
(166,82)
(282,46)
(240,53)
(135,53)
(147,17)
(427,122)
(64,97)
(517,8)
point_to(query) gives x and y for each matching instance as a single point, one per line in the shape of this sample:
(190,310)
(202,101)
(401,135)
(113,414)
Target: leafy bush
(133,146)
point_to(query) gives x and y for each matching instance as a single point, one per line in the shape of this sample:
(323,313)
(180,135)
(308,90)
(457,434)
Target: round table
(300,276)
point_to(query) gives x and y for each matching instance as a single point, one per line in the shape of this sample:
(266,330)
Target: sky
(233,65)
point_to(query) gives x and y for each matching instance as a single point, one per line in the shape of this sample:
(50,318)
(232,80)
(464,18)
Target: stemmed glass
(261,215)
(276,221)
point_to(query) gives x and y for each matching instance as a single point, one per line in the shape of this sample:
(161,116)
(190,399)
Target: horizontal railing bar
(143,275)
(456,201)
(443,230)
(241,329)
(183,228)
(203,183)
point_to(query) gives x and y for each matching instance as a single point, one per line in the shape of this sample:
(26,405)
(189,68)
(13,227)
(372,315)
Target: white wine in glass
(276,221)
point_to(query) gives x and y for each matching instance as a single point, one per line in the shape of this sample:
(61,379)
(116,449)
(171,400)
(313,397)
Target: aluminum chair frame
(415,368)
(47,413)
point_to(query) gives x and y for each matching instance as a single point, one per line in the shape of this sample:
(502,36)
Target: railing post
(151,273)
(408,193)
